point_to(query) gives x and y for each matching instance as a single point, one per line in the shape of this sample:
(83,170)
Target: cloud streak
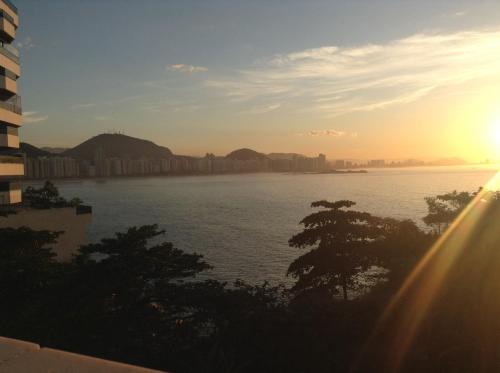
(262,109)
(26,44)
(34,117)
(333,80)
(189,69)
(333,133)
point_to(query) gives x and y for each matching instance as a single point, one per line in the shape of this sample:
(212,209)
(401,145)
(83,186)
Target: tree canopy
(341,240)
(444,208)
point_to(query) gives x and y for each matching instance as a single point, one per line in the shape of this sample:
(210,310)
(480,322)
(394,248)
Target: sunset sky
(351,79)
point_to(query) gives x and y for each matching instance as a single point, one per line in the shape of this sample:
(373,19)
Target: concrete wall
(57,219)
(20,357)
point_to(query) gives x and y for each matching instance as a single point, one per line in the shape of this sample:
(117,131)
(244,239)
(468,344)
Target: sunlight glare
(496,133)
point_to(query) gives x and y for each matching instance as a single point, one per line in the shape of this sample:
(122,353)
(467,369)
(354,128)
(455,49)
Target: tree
(129,298)
(444,208)
(27,268)
(47,197)
(341,240)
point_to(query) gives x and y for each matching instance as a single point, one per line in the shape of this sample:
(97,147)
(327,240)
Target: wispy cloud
(459,14)
(333,80)
(34,117)
(333,133)
(122,100)
(189,69)
(26,44)
(262,109)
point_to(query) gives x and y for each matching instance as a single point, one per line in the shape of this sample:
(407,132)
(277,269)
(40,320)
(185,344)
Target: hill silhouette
(246,155)
(32,151)
(118,145)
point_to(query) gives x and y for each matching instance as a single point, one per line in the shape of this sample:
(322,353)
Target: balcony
(11,10)
(8,83)
(11,165)
(9,137)
(10,193)
(11,112)
(9,58)
(7,28)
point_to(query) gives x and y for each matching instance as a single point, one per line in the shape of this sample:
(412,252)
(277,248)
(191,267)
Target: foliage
(341,240)
(136,298)
(47,197)
(27,267)
(444,208)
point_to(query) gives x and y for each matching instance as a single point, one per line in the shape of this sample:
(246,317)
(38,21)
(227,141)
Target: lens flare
(403,317)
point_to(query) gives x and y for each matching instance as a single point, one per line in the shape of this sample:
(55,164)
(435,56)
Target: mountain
(54,150)
(32,151)
(118,145)
(246,155)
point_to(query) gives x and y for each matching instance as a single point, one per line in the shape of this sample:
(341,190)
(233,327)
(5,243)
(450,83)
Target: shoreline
(330,172)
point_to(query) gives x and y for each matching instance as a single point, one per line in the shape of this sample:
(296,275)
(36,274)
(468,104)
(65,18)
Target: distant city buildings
(55,167)
(376,163)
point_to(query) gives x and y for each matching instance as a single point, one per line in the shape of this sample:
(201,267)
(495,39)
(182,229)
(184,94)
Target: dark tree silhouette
(27,268)
(444,208)
(137,299)
(47,197)
(341,240)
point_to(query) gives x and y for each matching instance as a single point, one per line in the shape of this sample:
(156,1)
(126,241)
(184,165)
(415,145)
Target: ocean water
(242,223)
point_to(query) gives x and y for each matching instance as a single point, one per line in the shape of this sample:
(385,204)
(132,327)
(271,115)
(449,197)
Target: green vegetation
(137,299)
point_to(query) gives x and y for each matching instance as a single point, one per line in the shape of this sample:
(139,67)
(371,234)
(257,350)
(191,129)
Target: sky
(352,79)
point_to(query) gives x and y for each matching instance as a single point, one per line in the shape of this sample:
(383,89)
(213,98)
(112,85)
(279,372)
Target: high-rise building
(11,162)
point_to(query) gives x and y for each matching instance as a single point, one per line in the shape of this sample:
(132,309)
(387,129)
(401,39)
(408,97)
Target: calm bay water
(242,223)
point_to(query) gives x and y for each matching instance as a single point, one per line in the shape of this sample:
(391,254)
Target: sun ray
(403,316)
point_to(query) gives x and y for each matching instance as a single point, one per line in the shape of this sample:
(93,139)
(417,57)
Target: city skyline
(212,78)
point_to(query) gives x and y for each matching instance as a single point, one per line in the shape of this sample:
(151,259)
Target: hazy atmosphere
(350,79)
(249,186)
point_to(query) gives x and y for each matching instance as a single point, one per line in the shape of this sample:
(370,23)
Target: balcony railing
(9,51)
(8,17)
(3,14)
(10,5)
(12,104)
(7,73)
(12,159)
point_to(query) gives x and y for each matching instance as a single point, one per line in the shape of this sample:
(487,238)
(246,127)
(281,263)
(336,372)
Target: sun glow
(495,132)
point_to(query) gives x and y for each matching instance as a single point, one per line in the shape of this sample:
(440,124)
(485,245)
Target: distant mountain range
(117,145)
(32,151)
(246,155)
(122,146)
(54,150)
